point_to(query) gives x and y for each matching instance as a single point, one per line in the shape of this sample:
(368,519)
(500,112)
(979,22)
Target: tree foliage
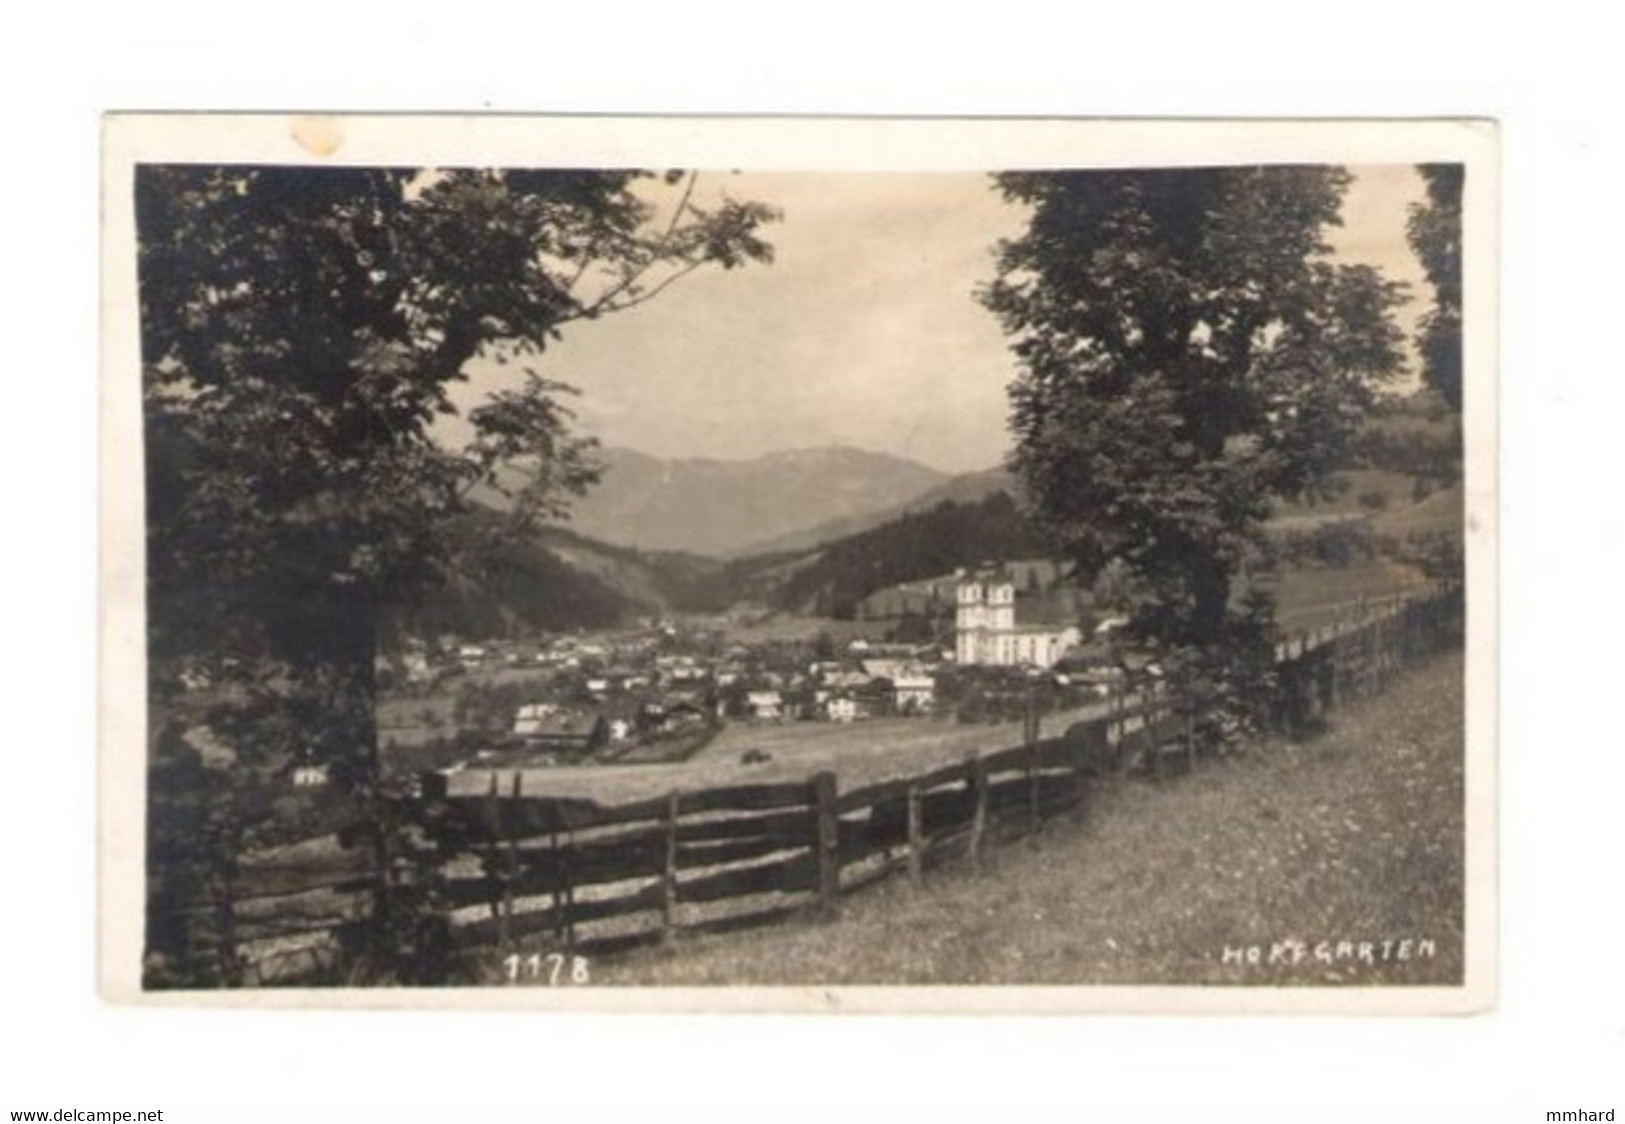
(917,544)
(1188,350)
(302,329)
(1435,234)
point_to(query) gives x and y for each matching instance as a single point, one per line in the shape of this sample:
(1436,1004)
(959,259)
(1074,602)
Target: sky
(864,330)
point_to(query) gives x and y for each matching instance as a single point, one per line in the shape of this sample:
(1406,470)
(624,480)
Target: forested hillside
(518,588)
(916,545)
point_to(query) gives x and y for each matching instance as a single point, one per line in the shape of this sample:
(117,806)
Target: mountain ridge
(719,508)
(964,488)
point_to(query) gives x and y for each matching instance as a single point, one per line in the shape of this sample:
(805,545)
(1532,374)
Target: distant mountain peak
(716,507)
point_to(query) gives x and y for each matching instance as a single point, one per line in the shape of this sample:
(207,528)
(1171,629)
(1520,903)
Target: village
(664,690)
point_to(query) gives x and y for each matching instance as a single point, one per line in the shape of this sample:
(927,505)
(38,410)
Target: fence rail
(505,871)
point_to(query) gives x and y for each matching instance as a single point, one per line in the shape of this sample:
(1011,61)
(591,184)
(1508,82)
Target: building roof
(565,724)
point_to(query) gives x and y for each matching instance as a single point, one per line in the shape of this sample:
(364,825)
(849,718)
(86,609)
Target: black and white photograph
(800,565)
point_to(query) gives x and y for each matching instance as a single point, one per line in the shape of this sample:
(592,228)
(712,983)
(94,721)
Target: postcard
(799,564)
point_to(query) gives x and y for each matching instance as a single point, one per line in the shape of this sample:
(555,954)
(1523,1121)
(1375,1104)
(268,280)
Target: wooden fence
(580,876)
(268,922)
(507,871)
(1316,671)
(520,870)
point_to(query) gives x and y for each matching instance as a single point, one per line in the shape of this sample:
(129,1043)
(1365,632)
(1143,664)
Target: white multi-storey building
(987,630)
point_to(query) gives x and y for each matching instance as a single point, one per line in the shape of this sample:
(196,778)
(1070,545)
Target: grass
(1393,487)
(1356,836)
(1443,512)
(831,744)
(1311,596)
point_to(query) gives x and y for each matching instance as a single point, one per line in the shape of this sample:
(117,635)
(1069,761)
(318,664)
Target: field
(862,752)
(775,627)
(1394,488)
(812,746)
(1355,837)
(400,720)
(1310,597)
(1441,513)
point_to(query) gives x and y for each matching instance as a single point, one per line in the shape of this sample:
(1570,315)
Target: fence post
(1118,701)
(1303,695)
(1379,655)
(381,924)
(916,858)
(560,903)
(1033,817)
(567,877)
(495,863)
(1385,652)
(668,874)
(1148,728)
(223,884)
(1338,650)
(977,782)
(1190,738)
(828,843)
(510,864)
(502,857)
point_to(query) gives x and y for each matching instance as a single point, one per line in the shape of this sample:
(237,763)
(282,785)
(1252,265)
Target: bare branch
(633,302)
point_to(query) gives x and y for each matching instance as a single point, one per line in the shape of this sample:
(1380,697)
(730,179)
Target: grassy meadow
(1356,837)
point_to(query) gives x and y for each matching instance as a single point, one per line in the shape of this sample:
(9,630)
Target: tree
(1434,231)
(823,646)
(1187,352)
(301,330)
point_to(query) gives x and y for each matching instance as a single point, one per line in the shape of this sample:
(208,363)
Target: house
(989,631)
(683,713)
(764,705)
(846,680)
(530,717)
(628,717)
(841,708)
(308,774)
(677,717)
(566,729)
(913,693)
(884,668)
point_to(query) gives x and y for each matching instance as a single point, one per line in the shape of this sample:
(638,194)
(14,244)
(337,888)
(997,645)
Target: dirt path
(1334,861)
